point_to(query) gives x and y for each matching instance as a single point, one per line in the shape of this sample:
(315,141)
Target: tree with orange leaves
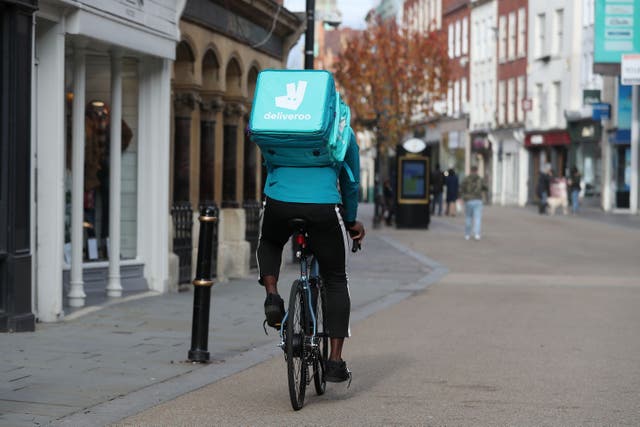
(389,74)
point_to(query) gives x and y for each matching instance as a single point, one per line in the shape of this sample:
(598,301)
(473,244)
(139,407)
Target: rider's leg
(270,284)
(274,233)
(336,349)
(329,240)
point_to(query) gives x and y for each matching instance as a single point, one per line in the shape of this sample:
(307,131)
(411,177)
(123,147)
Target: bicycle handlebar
(356,243)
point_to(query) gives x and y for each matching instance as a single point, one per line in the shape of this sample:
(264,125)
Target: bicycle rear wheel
(319,380)
(294,341)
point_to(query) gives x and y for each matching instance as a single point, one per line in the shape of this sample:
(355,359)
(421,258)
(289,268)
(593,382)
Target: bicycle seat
(298,224)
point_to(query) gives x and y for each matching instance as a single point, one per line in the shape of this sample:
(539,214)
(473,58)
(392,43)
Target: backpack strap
(349,172)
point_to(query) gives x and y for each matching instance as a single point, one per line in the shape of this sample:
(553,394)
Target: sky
(353,11)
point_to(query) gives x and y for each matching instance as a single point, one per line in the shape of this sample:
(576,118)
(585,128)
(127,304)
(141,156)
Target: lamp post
(309,35)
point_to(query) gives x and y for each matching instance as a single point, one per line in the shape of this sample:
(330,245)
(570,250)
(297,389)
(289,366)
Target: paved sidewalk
(535,325)
(597,215)
(124,358)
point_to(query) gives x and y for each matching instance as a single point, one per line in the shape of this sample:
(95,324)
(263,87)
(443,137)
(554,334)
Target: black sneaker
(336,371)
(274,310)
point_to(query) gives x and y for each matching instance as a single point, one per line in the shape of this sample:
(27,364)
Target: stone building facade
(223,47)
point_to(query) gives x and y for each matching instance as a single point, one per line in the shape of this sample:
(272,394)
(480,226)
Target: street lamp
(309,35)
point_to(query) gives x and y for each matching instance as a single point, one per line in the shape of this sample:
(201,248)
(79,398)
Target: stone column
(114,287)
(16,242)
(250,167)
(76,293)
(233,149)
(233,250)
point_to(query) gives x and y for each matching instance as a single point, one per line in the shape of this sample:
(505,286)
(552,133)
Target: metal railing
(252,233)
(182,215)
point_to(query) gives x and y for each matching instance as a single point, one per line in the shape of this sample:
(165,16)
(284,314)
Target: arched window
(233,78)
(184,63)
(210,71)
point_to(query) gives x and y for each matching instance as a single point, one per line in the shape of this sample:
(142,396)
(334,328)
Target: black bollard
(202,288)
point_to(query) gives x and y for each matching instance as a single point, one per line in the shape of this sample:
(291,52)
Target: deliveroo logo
(294,96)
(290,101)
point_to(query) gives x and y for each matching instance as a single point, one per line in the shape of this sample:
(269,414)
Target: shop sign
(585,131)
(615,29)
(557,137)
(590,96)
(630,69)
(537,139)
(601,111)
(480,143)
(588,131)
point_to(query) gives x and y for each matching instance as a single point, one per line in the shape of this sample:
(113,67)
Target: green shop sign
(616,29)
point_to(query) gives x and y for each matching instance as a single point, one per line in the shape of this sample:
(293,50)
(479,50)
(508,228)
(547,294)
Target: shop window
(181,160)
(97,148)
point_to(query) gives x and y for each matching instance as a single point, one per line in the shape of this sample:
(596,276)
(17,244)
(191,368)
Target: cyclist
(312,193)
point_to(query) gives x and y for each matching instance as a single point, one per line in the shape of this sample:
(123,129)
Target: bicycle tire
(294,341)
(319,379)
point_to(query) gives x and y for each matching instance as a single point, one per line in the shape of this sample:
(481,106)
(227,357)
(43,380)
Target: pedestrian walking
(472,191)
(574,189)
(544,188)
(389,201)
(437,186)
(451,181)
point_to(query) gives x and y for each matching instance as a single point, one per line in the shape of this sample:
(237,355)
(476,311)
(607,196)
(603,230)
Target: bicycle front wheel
(319,380)
(294,341)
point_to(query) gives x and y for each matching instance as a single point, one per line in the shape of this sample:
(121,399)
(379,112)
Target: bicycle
(303,331)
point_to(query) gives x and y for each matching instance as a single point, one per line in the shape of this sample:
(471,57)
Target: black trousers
(328,240)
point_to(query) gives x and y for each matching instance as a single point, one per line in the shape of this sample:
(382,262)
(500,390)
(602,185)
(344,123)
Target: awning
(545,138)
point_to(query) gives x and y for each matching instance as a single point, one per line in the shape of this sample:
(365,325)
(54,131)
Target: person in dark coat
(451,181)
(544,188)
(437,187)
(389,201)
(574,188)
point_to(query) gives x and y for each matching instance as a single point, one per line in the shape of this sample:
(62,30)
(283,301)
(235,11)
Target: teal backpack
(298,119)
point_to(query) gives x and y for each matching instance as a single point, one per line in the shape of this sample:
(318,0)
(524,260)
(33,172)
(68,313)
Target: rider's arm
(350,181)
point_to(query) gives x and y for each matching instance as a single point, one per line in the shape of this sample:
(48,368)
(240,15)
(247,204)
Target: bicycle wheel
(294,341)
(319,380)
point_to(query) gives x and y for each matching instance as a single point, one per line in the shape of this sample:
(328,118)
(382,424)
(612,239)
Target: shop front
(102,99)
(620,143)
(586,155)
(544,147)
(454,146)
(620,180)
(510,166)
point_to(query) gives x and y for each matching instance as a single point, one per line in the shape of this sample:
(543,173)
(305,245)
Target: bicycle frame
(309,270)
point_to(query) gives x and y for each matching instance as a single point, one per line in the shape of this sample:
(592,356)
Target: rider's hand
(357,231)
